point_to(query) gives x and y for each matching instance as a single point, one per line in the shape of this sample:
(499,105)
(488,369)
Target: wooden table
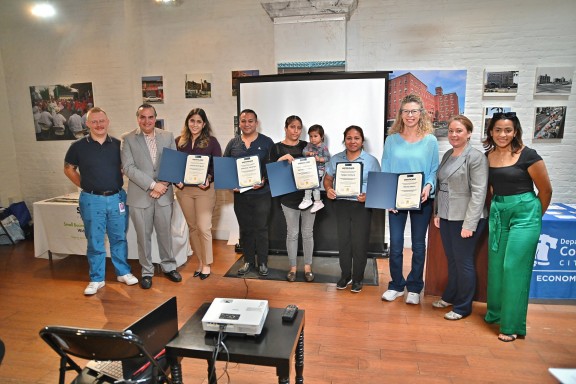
(278,344)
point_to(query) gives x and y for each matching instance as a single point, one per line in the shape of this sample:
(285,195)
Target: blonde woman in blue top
(410,147)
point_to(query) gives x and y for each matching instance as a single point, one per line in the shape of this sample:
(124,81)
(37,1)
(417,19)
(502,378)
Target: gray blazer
(467,187)
(138,167)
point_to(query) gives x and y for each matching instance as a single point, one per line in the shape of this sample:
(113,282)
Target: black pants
(252,212)
(353,235)
(459,252)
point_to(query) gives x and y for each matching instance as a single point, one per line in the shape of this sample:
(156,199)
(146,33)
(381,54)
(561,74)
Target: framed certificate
(348,179)
(248,171)
(394,191)
(305,173)
(196,169)
(408,191)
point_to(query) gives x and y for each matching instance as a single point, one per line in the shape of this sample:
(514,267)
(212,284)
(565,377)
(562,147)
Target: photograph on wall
(159,123)
(152,89)
(500,83)
(549,122)
(236,127)
(553,81)
(488,113)
(442,91)
(237,74)
(59,111)
(198,86)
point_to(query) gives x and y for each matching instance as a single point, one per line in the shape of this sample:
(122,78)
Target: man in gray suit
(150,200)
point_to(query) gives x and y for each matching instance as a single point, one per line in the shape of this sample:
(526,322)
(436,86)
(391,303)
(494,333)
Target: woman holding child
(289,149)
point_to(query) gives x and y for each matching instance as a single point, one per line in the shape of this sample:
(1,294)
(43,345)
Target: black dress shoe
(197,273)
(173,276)
(146,282)
(204,276)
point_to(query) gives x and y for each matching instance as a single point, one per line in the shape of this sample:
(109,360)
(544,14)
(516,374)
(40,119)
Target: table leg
(176,371)
(300,359)
(212,378)
(283,380)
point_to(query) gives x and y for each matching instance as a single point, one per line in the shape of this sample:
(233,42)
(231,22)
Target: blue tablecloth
(554,273)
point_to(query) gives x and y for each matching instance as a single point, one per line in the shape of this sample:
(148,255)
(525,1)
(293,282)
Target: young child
(319,150)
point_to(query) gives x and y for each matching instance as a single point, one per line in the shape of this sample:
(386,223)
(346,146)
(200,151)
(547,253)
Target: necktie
(151,142)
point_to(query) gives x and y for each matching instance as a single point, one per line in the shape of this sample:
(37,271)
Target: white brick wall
(114,43)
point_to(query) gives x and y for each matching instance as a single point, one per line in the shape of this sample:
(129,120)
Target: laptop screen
(157,327)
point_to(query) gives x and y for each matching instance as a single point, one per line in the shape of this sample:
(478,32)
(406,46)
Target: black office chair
(98,344)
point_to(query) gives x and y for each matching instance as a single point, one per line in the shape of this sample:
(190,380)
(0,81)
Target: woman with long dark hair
(515,222)
(198,201)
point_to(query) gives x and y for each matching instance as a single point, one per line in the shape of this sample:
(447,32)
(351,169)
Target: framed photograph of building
(198,86)
(442,91)
(549,122)
(488,113)
(152,89)
(59,111)
(553,81)
(500,83)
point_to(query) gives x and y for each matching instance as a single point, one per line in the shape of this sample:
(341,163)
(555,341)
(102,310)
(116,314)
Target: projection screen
(333,100)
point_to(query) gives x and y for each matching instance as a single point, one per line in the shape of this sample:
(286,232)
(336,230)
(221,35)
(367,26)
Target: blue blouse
(401,156)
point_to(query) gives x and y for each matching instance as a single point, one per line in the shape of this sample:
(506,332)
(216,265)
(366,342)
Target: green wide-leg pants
(514,229)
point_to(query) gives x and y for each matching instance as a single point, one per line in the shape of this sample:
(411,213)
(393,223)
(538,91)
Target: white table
(59,230)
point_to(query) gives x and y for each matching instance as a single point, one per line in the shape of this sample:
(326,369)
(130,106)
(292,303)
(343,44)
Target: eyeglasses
(410,111)
(503,115)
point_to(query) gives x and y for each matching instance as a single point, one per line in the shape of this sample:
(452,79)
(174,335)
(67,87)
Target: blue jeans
(419,221)
(105,215)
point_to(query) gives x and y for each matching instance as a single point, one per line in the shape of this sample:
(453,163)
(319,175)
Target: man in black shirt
(93,164)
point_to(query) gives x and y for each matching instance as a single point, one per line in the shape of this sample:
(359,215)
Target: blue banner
(554,273)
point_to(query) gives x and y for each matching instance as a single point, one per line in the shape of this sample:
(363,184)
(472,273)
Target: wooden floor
(350,338)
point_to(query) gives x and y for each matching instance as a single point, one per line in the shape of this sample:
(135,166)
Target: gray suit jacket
(137,165)
(467,187)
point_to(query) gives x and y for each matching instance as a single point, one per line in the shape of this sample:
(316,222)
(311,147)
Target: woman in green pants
(515,222)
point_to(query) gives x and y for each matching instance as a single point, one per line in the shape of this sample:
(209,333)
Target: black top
(514,179)
(259,147)
(99,164)
(290,200)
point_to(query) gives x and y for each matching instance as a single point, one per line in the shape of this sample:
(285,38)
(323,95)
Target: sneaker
(305,204)
(263,270)
(453,316)
(318,205)
(441,304)
(128,279)
(413,298)
(93,287)
(343,283)
(391,295)
(356,286)
(245,269)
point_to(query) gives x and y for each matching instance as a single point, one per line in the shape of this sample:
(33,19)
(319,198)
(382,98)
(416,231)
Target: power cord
(219,344)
